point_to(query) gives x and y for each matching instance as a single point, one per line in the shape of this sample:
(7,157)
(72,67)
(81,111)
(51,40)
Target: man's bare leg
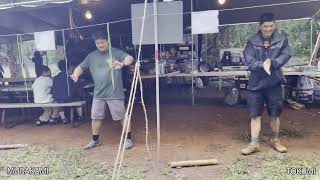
(275,141)
(96,125)
(275,127)
(255,131)
(128,144)
(122,123)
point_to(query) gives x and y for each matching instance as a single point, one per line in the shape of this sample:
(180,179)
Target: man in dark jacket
(1,72)
(265,54)
(38,62)
(64,89)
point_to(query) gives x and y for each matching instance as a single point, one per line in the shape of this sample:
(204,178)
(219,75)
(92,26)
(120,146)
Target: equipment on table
(232,57)
(316,84)
(305,90)
(232,98)
(204,66)
(226,59)
(186,66)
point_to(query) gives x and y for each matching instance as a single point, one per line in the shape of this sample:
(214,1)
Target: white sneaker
(128,144)
(92,144)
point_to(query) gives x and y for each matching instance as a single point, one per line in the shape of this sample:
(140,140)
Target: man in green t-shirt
(106,72)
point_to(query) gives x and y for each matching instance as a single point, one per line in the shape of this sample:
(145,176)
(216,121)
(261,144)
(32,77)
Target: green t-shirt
(101,71)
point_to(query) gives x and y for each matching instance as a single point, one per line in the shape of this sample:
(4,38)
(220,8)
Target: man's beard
(104,50)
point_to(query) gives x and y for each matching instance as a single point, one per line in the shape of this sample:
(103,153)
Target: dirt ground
(187,133)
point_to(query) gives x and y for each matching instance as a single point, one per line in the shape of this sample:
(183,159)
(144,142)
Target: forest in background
(236,36)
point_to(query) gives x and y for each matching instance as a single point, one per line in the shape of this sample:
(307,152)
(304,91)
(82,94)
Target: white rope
(66,59)
(95,25)
(146,116)
(269,5)
(126,124)
(27,3)
(231,9)
(255,22)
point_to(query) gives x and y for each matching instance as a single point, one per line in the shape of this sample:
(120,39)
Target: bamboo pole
(12,146)
(315,50)
(191,163)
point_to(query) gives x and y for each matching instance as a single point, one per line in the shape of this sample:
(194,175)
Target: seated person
(1,72)
(172,54)
(42,94)
(64,89)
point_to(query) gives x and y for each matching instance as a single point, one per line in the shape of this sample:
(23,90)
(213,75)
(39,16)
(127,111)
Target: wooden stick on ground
(12,146)
(193,163)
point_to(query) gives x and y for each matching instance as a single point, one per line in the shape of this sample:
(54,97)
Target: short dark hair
(99,35)
(44,69)
(62,65)
(36,54)
(267,17)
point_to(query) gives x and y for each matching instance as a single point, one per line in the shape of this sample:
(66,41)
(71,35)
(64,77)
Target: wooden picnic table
(18,88)
(228,74)
(16,80)
(4,106)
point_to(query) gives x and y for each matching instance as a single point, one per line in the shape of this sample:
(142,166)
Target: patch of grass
(289,132)
(292,132)
(269,166)
(246,136)
(62,164)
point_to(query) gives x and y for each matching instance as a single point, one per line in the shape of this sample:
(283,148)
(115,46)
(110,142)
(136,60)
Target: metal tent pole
(155,18)
(192,63)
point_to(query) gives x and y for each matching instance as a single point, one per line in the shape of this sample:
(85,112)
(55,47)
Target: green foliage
(298,32)
(62,164)
(236,36)
(299,35)
(269,166)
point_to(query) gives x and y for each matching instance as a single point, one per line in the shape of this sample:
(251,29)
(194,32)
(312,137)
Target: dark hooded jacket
(255,54)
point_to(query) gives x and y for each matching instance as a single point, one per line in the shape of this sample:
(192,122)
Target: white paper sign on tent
(170,23)
(45,41)
(204,22)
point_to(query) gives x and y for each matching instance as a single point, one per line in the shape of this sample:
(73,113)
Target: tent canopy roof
(51,16)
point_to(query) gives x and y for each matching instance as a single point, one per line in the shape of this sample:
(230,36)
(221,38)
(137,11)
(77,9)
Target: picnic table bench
(5,106)
(20,88)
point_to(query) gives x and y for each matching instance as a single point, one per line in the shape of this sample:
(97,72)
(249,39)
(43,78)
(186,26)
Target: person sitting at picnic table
(64,89)
(1,72)
(42,94)
(172,53)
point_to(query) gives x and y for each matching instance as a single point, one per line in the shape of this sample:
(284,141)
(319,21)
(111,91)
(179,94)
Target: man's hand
(74,77)
(117,65)
(76,74)
(267,66)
